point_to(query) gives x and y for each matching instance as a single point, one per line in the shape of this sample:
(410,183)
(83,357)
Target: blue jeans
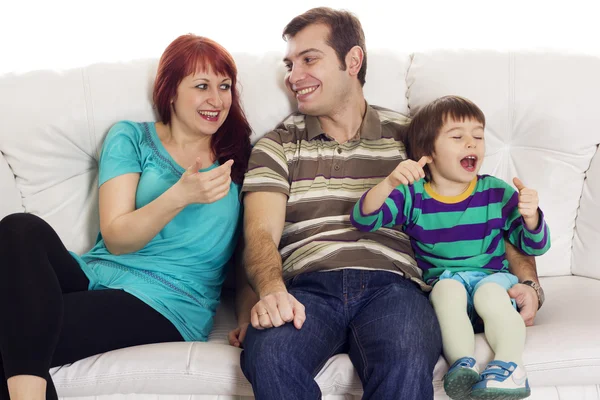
(382,320)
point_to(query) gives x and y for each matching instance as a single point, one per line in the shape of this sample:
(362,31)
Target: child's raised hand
(408,172)
(528,204)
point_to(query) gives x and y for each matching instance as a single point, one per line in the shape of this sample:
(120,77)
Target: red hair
(186,55)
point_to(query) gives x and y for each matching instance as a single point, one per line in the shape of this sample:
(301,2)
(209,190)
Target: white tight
(504,327)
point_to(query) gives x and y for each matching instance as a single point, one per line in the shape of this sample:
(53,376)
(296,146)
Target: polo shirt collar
(370,127)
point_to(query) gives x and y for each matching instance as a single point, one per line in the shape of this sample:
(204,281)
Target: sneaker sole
(500,394)
(458,385)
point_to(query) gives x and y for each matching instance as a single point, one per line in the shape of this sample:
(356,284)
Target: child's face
(458,151)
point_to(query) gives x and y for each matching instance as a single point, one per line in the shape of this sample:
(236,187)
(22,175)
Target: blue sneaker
(502,381)
(460,378)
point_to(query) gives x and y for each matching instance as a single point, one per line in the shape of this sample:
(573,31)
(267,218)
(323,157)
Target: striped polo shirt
(461,233)
(323,179)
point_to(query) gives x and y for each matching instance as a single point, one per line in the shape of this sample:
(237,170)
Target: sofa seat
(563,349)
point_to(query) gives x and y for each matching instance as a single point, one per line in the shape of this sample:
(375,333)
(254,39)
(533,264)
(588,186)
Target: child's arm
(528,205)
(406,173)
(531,235)
(368,212)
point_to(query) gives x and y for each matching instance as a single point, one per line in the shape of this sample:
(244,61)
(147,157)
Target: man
(319,286)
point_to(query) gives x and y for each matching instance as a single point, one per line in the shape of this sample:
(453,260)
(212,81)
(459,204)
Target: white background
(60,34)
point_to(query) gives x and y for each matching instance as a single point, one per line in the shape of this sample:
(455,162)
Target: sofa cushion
(11,198)
(562,349)
(45,140)
(586,251)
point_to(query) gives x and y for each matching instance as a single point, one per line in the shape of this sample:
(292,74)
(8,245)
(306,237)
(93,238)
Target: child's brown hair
(429,120)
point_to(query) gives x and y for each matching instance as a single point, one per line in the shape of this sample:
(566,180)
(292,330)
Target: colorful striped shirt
(461,233)
(323,179)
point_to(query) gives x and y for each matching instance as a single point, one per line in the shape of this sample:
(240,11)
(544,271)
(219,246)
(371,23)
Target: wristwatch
(538,289)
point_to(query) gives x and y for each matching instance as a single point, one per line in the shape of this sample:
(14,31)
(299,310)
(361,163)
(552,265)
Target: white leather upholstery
(11,198)
(542,126)
(586,252)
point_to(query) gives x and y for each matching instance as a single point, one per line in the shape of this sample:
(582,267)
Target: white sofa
(543,125)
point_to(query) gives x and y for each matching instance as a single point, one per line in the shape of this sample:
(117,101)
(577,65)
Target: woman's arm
(126,229)
(245,299)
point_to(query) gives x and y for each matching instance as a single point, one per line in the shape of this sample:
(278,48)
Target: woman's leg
(48,317)
(95,322)
(98,321)
(35,270)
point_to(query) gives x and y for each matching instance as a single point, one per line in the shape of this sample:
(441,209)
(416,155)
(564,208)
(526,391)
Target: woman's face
(203,101)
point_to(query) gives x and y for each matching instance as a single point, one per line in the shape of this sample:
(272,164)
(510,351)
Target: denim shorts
(472,280)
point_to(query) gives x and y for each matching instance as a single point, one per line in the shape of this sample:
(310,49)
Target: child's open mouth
(469,163)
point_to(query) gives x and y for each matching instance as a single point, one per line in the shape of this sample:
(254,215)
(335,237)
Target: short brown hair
(429,120)
(345,32)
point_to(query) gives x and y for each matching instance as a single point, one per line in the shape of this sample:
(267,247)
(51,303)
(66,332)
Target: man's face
(314,75)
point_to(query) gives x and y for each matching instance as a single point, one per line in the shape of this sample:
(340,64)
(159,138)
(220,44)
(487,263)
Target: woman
(169,221)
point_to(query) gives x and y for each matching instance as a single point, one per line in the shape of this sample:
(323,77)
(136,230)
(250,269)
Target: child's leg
(504,327)
(504,377)
(449,299)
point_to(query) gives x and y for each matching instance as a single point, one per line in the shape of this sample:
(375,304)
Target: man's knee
(419,338)
(267,349)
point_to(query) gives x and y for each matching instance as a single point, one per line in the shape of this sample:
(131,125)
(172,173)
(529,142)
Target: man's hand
(528,205)
(275,309)
(527,301)
(236,337)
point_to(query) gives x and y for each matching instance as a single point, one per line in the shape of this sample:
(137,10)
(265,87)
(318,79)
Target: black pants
(47,315)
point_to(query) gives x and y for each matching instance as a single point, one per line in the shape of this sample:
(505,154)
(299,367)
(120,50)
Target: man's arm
(264,219)
(524,268)
(258,269)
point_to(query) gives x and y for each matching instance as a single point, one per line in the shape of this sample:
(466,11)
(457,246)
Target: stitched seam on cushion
(189,358)
(99,379)
(89,110)
(412,58)
(552,365)
(14,181)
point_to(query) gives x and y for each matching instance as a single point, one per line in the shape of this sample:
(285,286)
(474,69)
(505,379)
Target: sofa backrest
(542,126)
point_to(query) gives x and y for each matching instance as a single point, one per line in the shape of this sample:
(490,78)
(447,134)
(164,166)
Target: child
(457,221)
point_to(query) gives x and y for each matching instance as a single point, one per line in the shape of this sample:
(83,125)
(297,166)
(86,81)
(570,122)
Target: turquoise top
(180,271)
